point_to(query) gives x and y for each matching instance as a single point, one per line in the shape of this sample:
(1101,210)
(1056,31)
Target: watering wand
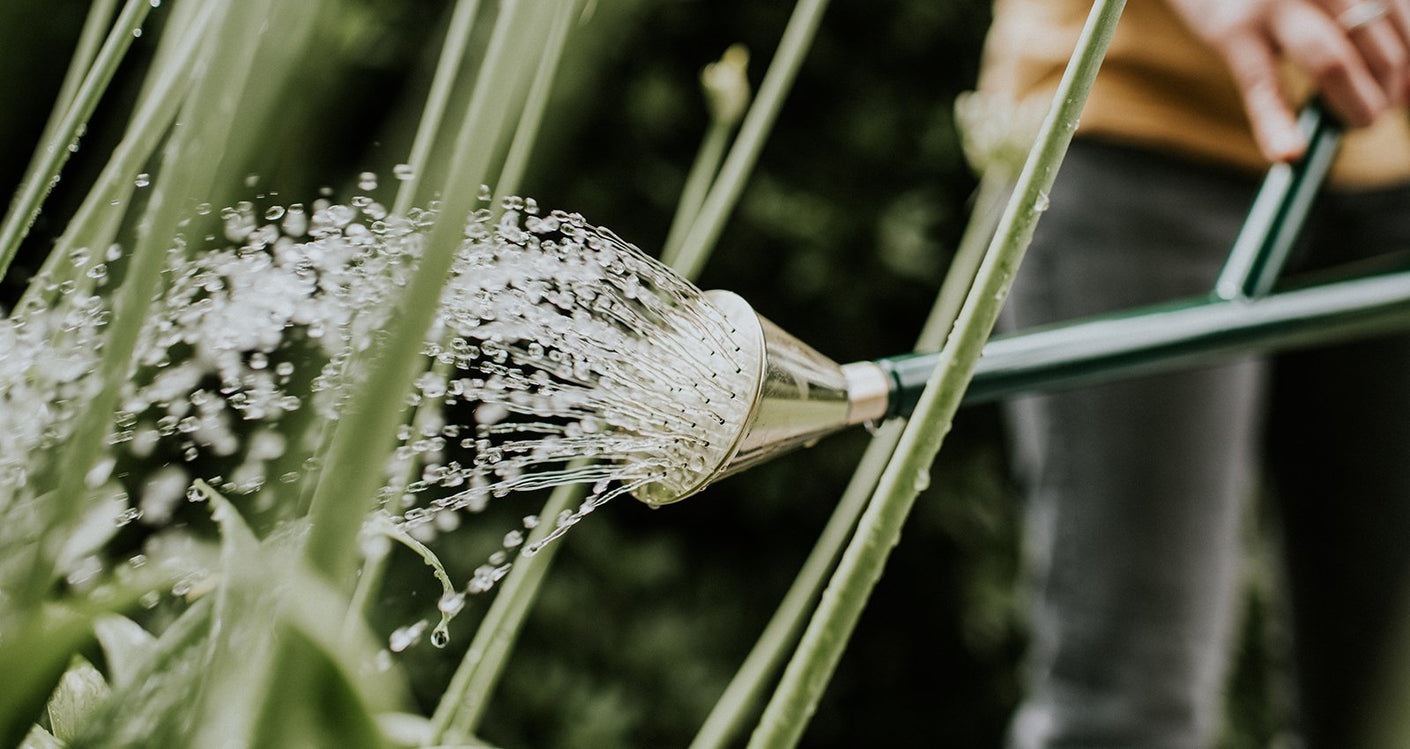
(576,345)
(798,395)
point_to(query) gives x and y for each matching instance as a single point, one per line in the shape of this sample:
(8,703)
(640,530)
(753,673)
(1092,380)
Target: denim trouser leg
(1134,488)
(1339,443)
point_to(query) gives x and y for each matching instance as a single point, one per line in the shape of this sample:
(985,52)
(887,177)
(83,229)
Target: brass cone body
(799,397)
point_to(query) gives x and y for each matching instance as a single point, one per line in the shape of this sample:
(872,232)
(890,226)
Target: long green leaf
(95,222)
(908,472)
(55,151)
(739,699)
(729,185)
(36,653)
(80,690)
(363,437)
(448,68)
(125,647)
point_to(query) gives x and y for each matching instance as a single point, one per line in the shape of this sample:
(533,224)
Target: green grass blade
(879,530)
(54,153)
(36,653)
(363,437)
(729,185)
(126,646)
(511,174)
(463,705)
(448,67)
(90,40)
(744,691)
(95,223)
(516,162)
(697,185)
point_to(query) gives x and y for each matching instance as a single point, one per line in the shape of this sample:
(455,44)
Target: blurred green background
(842,237)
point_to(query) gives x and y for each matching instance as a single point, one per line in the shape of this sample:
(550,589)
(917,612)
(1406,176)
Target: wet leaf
(81,689)
(125,647)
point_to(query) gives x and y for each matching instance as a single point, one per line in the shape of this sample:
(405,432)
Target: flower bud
(726,85)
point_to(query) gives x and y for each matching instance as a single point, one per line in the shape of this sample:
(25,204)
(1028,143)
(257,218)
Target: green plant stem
(54,153)
(465,700)
(463,704)
(90,40)
(192,159)
(511,174)
(96,220)
(432,119)
(989,199)
(906,475)
(738,701)
(697,186)
(729,185)
(462,21)
(363,436)
(516,162)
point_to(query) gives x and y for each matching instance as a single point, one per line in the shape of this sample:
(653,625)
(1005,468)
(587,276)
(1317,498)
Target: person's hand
(1357,52)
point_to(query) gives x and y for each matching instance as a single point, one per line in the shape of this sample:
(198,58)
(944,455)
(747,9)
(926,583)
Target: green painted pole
(1166,337)
(1275,220)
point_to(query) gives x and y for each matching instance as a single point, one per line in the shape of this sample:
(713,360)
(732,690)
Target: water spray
(704,387)
(561,354)
(797,395)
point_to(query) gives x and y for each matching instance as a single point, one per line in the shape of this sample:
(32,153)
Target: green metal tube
(1279,211)
(1166,337)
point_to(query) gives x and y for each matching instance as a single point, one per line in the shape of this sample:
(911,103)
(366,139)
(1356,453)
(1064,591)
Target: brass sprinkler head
(797,396)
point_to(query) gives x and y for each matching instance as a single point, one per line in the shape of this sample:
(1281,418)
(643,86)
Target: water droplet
(403,637)
(451,603)
(403,172)
(490,413)
(367,181)
(137,32)
(144,179)
(1041,203)
(374,545)
(440,636)
(99,473)
(295,221)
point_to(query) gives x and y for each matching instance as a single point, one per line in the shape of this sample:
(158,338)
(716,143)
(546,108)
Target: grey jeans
(1136,490)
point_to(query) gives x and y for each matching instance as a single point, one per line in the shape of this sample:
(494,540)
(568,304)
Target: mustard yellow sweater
(1162,87)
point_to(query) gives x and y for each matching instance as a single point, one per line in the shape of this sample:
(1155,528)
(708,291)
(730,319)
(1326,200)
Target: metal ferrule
(868,392)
